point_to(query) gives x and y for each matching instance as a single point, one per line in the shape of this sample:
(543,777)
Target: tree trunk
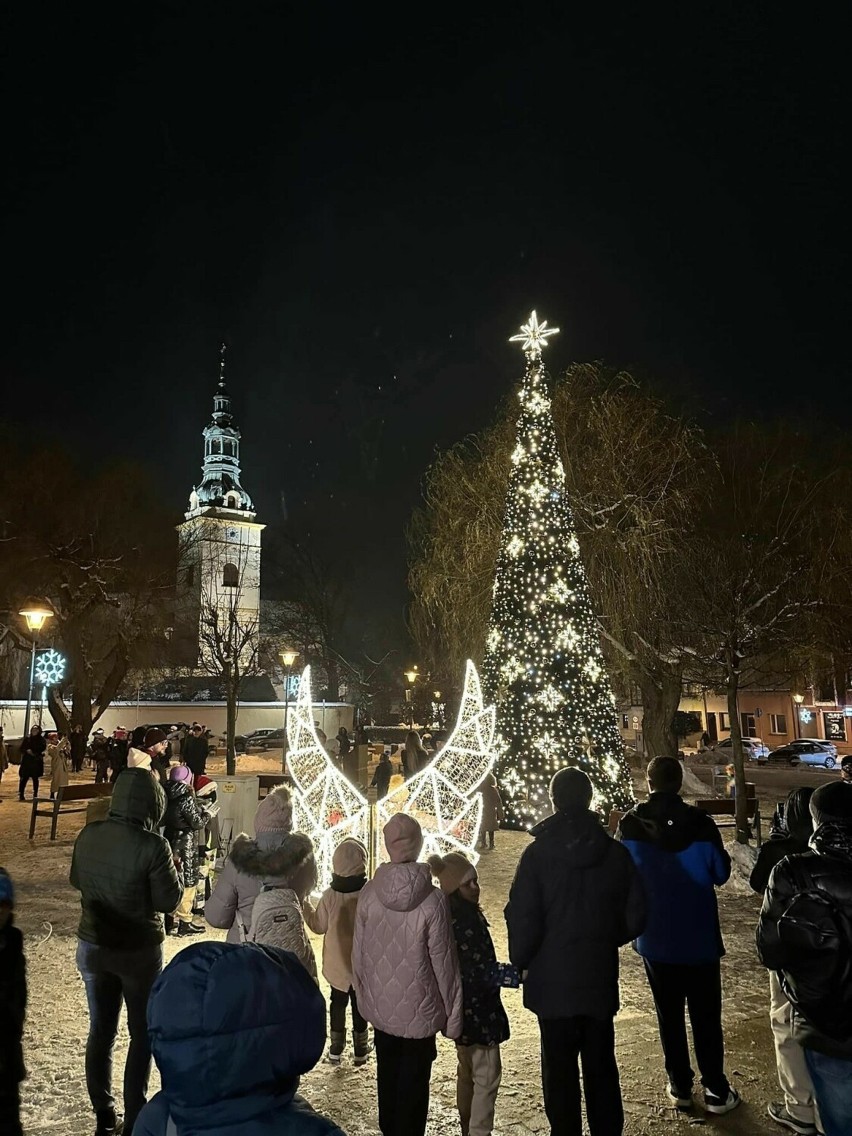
(660,700)
(231,726)
(741,814)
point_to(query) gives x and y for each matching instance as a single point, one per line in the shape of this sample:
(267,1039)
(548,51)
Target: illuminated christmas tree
(544,667)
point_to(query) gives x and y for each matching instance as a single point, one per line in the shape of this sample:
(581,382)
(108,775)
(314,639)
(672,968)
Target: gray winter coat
(250,863)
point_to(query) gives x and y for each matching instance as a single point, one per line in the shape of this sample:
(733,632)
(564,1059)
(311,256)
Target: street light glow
(36,614)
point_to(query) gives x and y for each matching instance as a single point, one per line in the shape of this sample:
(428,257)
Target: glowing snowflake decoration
(592,669)
(515,547)
(512,782)
(537,491)
(567,638)
(444,796)
(493,639)
(559,592)
(573,546)
(49,668)
(534,335)
(518,454)
(537,403)
(512,669)
(550,698)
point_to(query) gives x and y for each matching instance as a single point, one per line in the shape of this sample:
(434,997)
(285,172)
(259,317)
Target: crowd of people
(409,954)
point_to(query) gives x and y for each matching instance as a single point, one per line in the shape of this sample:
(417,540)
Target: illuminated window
(778,723)
(230,576)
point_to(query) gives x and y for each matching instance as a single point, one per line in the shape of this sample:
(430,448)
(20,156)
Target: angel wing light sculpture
(442,796)
(326,806)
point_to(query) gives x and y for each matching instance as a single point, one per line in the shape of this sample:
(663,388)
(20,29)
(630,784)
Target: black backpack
(816,936)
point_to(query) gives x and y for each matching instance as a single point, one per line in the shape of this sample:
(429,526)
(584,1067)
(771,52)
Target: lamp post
(36,614)
(798,699)
(287,658)
(411,676)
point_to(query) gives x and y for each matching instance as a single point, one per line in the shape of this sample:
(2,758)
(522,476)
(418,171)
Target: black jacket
(194,752)
(183,821)
(381,778)
(13,1006)
(32,756)
(815,972)
(800,827)
(576,898)
(123,868)
(484,1021)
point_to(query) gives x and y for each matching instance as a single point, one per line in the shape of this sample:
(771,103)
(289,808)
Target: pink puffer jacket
(404,964)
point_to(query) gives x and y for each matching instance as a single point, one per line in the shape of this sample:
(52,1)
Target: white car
(823,743)
(754,749)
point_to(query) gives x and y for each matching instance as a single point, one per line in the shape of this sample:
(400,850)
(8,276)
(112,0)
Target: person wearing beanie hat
(139,759)
(805,934)
(13,1004)
(334,917)
(575,899)
(251,860)
(406,977)
(183,822)
(680,857)
(485,1024)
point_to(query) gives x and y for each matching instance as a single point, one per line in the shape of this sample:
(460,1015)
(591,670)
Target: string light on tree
(543,665)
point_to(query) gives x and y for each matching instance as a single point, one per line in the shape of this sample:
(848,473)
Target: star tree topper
(534,335)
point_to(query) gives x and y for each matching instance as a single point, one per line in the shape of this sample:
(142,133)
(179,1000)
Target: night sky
(365,206)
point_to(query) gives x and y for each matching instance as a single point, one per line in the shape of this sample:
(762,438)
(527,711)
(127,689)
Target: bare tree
(98,547)
(229,644)
(758,575)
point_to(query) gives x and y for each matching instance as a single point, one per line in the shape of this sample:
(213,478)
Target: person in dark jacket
(576,898)
(249,863)
(125,874)
(13,1008)
(100,756)
(345,742)
(78,748)
(183,823)
(796,1111)
(805,934)
(258,1019)
(119,748)
(195,749)
(485,1024)
(382,776)
(678,851)
(32,761)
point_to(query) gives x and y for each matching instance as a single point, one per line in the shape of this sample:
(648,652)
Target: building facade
(218,591)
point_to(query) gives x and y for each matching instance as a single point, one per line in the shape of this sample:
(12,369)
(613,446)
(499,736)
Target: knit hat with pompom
(451,871)
(275,812)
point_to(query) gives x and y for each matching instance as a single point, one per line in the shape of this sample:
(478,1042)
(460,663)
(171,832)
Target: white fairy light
(515,547)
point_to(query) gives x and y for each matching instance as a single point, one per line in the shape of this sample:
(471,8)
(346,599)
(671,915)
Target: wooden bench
(728,808)
(266,782)
(64,797)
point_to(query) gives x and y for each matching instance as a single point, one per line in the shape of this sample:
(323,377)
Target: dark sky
(365,201)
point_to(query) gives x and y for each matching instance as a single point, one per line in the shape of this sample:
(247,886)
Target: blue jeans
(112,976)
(832,1078)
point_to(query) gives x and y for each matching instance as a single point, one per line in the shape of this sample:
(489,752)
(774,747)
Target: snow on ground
(54,1096)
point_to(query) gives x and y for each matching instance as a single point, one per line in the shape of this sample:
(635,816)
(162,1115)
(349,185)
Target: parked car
(812,753)
(274,739)
(793,752)
(255,737)
(828,746)
(754,749)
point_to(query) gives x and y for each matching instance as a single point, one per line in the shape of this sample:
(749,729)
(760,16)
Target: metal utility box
(237,800)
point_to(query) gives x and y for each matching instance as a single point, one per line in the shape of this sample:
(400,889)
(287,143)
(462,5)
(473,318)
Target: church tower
(219,573)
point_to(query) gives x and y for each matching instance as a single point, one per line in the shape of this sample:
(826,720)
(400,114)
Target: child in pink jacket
(334,917)
(406,976)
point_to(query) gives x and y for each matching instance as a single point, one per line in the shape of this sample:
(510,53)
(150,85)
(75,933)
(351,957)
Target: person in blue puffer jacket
(232,1028)
(679,854)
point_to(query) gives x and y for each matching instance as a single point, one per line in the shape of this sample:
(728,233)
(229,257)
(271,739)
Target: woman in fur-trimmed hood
(251,862)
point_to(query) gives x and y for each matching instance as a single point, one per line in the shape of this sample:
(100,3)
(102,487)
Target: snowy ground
(55,1101)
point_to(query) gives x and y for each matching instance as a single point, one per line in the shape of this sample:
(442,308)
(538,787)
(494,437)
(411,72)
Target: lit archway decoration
(443,797)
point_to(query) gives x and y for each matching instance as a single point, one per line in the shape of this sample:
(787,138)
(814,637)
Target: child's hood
(403,887)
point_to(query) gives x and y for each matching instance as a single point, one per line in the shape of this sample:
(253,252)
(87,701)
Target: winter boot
(338,1044)
(106,1122)
(190,929)
(362,1047)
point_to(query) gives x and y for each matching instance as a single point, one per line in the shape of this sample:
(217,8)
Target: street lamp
(36,614)
(411,676)
(287,658)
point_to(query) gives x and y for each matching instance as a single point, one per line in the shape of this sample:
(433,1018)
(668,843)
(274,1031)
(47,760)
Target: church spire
(220,486)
